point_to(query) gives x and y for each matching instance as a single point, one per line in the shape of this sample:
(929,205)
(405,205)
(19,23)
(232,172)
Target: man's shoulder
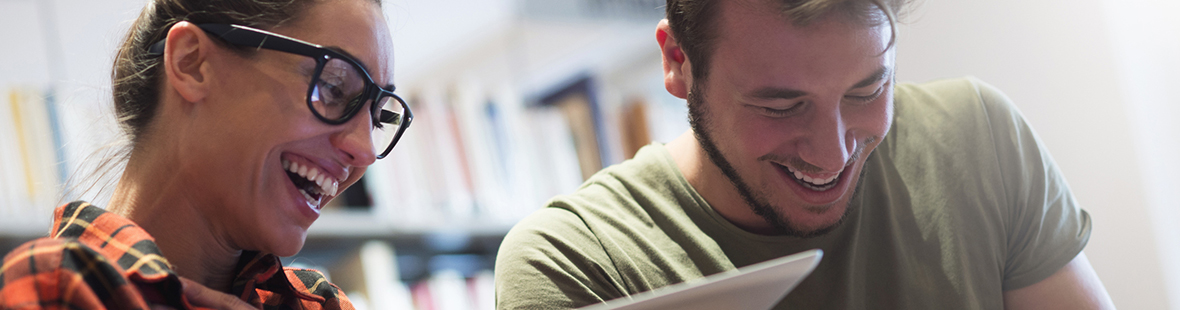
(613,201)
(628,229)
(952,115)
(966,87)
(620,196)
(956,97)
(943,157)
(647,185)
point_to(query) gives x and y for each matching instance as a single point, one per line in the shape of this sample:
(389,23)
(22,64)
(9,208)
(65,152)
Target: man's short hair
(692,21)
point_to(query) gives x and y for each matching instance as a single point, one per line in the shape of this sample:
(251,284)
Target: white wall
(1147,46)
(1065,64)
(426,34)
(25,49)
(67,45)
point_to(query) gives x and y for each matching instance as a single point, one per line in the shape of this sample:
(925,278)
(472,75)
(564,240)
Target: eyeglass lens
(335,89)
(390,120)
(338,90)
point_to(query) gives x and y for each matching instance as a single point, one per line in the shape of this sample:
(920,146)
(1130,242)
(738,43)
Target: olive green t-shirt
(959,203)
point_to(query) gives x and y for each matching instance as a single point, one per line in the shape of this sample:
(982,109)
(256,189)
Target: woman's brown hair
(135,78)
(136,73)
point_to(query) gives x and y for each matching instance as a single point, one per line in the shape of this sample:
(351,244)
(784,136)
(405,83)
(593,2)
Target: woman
(239,136)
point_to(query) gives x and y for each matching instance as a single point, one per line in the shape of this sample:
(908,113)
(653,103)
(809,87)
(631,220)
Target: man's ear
(676,66)
(186,54)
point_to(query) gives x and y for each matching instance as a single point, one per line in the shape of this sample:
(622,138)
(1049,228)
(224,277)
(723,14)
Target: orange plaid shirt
(99,260)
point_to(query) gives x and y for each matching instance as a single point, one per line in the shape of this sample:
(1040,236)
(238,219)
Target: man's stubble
(699,121)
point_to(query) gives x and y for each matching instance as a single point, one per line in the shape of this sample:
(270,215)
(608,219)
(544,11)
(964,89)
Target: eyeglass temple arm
(245,36)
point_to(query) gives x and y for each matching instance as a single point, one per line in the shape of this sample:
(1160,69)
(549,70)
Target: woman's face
(255,124)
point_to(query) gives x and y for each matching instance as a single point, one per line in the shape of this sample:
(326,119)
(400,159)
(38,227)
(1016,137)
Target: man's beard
(699,120)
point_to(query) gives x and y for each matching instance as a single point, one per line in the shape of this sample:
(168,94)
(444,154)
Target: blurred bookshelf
(542,98)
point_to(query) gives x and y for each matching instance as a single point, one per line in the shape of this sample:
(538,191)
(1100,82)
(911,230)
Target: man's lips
(825,181)
(817,183)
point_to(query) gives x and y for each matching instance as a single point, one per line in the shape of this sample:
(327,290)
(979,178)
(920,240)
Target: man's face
(790,114)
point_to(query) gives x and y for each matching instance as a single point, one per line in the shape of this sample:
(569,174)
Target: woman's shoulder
(63,271)
(91,259)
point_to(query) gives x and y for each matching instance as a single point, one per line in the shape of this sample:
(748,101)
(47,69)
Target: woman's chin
(285,242)
(289,247)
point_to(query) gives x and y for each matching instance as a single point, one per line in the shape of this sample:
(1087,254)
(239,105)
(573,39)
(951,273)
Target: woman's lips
(311,182)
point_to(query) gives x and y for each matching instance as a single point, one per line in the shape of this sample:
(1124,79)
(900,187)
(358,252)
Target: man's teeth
(327,184)
(801,176)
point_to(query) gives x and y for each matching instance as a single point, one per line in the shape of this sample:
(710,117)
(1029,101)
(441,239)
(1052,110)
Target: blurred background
(519,100)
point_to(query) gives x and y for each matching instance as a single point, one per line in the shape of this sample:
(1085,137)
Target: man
(932,196)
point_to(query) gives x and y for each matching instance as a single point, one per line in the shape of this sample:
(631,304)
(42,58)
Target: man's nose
(827,144)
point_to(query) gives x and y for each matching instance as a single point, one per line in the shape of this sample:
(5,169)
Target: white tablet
(755,287)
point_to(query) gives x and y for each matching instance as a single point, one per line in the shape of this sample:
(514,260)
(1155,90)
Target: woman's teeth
(310,199)
(325,185)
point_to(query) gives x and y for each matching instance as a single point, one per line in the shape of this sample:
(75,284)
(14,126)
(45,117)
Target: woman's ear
(676,65)
(186,52)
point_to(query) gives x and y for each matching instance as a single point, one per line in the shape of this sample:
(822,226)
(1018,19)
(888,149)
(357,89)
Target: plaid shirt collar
(139,259)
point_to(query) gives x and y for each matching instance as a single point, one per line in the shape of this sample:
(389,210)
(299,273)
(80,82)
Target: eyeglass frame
(258,38)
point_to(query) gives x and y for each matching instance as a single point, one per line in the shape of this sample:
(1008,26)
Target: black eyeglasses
(339,88)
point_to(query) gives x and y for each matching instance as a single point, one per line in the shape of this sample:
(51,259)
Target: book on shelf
(30,175)
(482,290)
(577,103)
(473,155)
(448,289)
(633,127)
(370,274)
(485,156)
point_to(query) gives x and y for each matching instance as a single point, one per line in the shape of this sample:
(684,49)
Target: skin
(207,179)
(816,76)
(819,129)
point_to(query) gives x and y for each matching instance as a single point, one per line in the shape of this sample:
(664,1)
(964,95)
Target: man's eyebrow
(881,73)
(771,92)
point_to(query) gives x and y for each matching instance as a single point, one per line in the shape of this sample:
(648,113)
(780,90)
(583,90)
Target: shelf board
(331,224)
(23,229)
(362,224)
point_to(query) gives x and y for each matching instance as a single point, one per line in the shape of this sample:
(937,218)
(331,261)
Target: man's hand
(205,297)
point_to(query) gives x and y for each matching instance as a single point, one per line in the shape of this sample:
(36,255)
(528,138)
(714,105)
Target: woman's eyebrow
(350,55)
(364,66)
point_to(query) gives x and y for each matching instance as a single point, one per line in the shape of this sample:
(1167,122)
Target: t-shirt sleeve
(551,260)
(1045,226)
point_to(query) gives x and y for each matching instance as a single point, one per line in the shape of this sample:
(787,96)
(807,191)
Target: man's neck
(707,179)
(161,205)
